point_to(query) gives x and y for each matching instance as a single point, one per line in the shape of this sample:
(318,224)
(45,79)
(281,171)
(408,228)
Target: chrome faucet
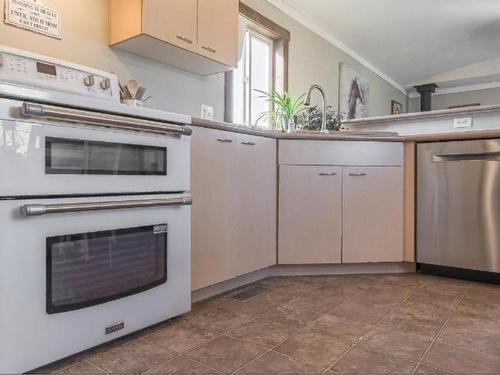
(307,102)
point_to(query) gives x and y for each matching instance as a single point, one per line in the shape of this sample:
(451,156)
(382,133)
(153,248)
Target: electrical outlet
(207,112)
(465,122)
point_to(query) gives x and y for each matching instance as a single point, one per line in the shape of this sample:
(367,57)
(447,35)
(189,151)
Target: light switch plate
(207,112)
(465,122)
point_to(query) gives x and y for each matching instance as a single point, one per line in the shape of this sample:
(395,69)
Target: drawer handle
(184,39)
(224,140)
(248,143)
(209,49)
(357,174)
(327,174)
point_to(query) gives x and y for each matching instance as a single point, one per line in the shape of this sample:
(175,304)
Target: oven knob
(89,81)
(105,83)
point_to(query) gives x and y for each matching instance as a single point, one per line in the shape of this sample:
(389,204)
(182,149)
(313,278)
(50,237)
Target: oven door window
(88,269)
(71,156)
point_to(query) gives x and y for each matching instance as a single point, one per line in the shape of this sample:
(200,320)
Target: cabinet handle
(224,140)
(209,49)
(184,39)
(327,174)
(248,143)
(357,174)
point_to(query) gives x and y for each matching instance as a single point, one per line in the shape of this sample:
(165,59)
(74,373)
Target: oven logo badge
(115,327)
(159,229)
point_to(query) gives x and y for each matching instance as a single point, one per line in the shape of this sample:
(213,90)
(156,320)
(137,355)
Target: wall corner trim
(304,21)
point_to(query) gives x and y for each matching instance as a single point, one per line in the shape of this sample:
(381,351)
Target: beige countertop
(343,135)
(416,116)
(350,135)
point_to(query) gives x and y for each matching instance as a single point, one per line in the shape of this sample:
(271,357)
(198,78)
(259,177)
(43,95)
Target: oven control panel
(24,68)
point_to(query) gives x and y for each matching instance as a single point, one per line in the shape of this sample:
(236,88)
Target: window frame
(249,89)
(279,75)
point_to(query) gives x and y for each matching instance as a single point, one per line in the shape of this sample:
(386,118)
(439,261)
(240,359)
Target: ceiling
(409,40)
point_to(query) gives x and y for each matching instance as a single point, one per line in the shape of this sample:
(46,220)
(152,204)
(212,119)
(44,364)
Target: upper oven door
(64,156)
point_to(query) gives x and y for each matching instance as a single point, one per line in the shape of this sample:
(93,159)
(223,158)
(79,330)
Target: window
(254,74)
(263,66)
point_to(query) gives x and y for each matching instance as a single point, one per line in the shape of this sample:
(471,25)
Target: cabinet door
(173,21)
(218,30)
(255,204)
(373,215)
(213,163)
(310,215)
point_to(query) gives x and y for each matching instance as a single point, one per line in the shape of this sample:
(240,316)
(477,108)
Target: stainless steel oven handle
(101,119)
(45,209)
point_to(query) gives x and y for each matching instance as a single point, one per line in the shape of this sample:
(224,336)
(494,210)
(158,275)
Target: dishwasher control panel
(25,68)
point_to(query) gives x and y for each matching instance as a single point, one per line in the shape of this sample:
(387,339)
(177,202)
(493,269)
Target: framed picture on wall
(354,93)
(396,108)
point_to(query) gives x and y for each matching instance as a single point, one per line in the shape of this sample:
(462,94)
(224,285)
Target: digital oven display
(46,69)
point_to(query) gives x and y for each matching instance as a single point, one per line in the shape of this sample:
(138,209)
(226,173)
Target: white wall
(444,101)
(312,60)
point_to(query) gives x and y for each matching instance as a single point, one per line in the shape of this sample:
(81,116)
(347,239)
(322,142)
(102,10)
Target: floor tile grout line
(436,335)
(298,332)
(202,364)
(375,326)
(227,333)
(94,365)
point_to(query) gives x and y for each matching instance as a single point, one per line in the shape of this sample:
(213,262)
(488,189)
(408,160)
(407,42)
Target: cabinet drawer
(369,153)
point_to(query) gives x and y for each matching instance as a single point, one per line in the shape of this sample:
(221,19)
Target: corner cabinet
(200,36)
(340,202)
(233,183)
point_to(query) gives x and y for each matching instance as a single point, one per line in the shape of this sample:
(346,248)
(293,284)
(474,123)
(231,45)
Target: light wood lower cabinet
(310,215)
(373,214)
(255,204)
(213,167)
(233,184)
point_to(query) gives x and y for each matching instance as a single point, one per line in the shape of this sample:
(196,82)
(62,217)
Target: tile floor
(325,324)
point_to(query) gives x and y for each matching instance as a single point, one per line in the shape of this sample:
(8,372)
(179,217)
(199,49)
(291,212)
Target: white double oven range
(94,212)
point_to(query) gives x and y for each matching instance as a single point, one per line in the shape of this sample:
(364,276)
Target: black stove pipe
(426,92)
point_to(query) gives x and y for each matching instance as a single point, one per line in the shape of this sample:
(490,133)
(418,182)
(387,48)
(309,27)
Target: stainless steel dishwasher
(458,208)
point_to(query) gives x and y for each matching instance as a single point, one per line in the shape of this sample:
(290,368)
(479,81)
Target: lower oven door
(75,273)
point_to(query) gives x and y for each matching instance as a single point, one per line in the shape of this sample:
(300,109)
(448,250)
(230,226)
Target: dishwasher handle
(467,156)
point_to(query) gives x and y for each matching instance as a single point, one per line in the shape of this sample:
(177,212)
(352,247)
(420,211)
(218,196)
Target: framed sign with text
(33,16)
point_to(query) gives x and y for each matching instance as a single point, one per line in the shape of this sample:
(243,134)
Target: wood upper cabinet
(199,36)
(173,21)
(213,167)
(233,185)
(218,30)
(255,204)
(373,214)
(310,215)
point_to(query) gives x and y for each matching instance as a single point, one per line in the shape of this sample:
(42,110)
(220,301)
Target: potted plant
(311,119)
(286,108)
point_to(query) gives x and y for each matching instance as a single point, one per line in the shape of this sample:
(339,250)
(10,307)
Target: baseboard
(237,282)
(300,270)
(342,269)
